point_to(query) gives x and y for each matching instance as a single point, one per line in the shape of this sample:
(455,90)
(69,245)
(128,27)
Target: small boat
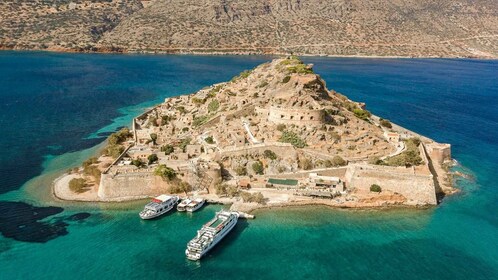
(195,204)
(210,234)
(158,206)
(182,206)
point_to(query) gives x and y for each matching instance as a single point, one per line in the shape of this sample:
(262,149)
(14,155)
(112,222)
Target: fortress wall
(283,150)
(131,185)
(294,116)
(418,189)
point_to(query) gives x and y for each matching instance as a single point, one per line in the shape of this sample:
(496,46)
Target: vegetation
(209,140)
(181,187)
(167,149)
(137,162)
(184,143)
(198,101)
(152,121)
(362,114)
(375,188)
(263,84)
(240,170)
(386,123)
(200,120)
(119,137)
(270,154)
(78,185)
(152,158)
(255,197)
(258,168)
(292,138)
(213,106)
(221,189)
(338,161)
(90,161)
(92,170)
(181,109)
(167,173)
(299,68)
(153,137)
(410,157)
(281,127)
(305,164)
(165,119)
(286,79)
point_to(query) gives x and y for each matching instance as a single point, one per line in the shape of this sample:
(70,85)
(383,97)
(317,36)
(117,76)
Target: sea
(56,110)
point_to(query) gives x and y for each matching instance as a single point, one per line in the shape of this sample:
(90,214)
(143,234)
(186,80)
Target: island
(272,136)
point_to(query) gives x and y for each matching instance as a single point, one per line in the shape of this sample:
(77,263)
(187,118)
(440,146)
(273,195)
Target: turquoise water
(56,106)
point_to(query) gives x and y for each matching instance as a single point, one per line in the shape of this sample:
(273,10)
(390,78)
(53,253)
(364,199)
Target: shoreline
(248,53)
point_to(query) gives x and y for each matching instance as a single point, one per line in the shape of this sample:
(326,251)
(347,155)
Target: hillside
(462,28)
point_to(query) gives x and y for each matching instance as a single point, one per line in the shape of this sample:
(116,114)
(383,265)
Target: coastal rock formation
(446,28)
(276,129)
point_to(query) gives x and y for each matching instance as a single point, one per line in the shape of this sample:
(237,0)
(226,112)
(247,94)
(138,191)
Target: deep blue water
(54,105)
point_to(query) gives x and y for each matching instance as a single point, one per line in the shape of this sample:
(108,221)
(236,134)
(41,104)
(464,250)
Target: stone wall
(294,116)
(131,185)
(439,152)
(283,150)
(418,188)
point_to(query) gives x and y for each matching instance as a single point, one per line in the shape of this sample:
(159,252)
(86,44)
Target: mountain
(448,28)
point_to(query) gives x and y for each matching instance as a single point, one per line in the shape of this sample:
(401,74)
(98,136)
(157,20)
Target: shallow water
(55,106)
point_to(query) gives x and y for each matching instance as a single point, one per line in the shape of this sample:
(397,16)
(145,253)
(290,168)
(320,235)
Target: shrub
(78,185)
(93,171)
(209,140)
(375,188)
(362,114)
(221,189)
(185,129)
(306,164)
(90,161)
(200,120)
(165,120)
(184,143)
(300,69)
(119,137)
(286,79)
(198,101)
(232,191)
(165,172)
(338,161)
(258,168)
(410,157)
(240,170)
(281,127)
(292,138)
(182,186)
(137,162)
(153,137)
(168,149)
(263,84)
(270,154)
(181,109)
(385,123)
(152,158)
(214,105)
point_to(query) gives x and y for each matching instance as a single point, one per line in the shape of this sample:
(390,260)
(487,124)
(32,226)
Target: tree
(165,172)
(168,149)
(385,123)
(152,158)
(258,168)
(209,140)
(375,188)
(153,137)
(240,170)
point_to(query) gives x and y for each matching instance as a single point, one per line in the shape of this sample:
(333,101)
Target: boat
(158,206)
(195,204)
(210,234)
(182,206)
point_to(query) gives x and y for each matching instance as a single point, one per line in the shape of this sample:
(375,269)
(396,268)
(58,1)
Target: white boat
(195,204)
(182,206)
(210,234)
(158,206)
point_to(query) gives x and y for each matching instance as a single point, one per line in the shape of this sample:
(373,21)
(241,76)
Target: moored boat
(210,234)
(182,206)
(158,206)
(195,204)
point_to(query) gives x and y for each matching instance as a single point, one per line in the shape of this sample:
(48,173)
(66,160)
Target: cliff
(446,28)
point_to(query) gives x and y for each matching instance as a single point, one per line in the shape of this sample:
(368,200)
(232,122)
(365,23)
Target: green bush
(338,161)
(386,123)
(165,172)
(153,137)
(152,158)
(240,170)
(181,109)
(270,154)
(375,188)
(214,105)
(119,137)
(168,149)
(362,114)
(410,157)
(209,140)
(286,79)
(184,143)
(78,185)
(93,171)
(199,120)
(137,162)
(258,168)
(292,138)
(198,101)
(306,164)
(221,189)
(263,84)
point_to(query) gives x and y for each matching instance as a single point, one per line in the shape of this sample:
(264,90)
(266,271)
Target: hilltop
(446,28)
(276,130)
